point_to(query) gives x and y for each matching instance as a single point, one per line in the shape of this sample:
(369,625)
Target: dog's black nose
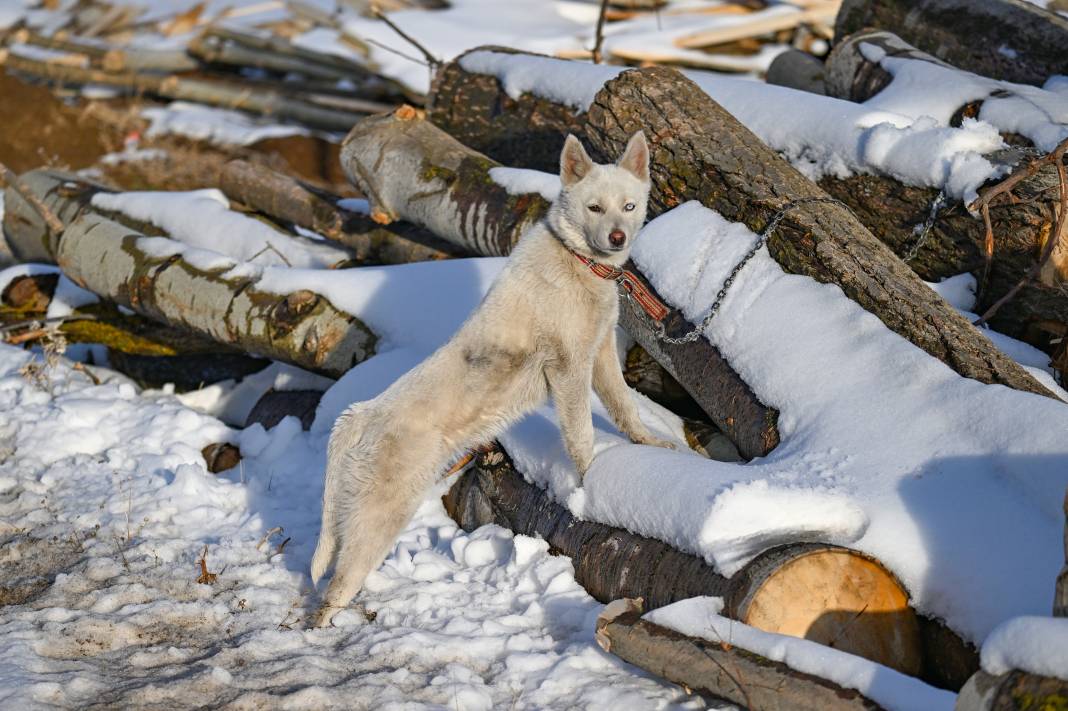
(617,238)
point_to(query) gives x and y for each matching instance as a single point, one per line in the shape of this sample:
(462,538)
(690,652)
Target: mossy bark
(109,258)
(414,171)
(1012,691)
(1004,39)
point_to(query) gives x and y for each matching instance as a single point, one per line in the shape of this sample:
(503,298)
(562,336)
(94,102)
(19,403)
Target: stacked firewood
(443,153)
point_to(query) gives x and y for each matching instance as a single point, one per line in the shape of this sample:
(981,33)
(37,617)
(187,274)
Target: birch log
(1004,39)
(435,182)
(701,152)
(113,261)
(286,199)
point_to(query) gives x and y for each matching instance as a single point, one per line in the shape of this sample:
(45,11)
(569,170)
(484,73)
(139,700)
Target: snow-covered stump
(824,593)
(435,182)
(722,670)
(203,293)
(1013,40)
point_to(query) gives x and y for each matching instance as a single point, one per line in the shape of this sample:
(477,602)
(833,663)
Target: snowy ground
(106,507)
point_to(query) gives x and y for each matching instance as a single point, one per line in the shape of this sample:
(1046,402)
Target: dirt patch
(41,129)
(31,565)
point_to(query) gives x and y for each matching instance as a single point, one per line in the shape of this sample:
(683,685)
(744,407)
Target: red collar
(630,283)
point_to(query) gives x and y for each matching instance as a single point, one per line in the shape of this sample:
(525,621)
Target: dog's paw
(653,441)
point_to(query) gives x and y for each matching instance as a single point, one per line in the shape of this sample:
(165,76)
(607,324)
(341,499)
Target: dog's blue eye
(629,206)
(594,208)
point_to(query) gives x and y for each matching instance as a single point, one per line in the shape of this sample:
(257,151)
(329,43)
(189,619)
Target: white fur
(546,327)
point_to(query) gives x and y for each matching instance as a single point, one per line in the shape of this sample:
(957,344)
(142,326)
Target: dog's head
(601,207)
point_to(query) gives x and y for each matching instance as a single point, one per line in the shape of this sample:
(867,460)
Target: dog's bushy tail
(344,437)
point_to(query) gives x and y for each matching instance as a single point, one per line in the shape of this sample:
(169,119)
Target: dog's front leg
(570,390)
(617,397)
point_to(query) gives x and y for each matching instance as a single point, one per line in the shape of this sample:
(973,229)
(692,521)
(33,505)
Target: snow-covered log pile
(862,399)
(902,154)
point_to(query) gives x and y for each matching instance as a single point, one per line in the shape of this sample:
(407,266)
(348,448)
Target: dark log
(437,183)
(700,152)
(1012,691)
(103,256)
(722,670)
(1005,39)
(798,70)
(286,199)
(31,293)
(275,405)
(824,593)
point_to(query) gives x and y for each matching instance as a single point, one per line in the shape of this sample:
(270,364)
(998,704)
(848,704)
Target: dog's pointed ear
(575,163)
(636,158)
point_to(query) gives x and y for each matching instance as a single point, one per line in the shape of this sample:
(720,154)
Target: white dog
(546,327)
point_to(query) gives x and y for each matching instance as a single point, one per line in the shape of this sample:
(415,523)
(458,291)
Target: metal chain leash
(923,230)
(695,333)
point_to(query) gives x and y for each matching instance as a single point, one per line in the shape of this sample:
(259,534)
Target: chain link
(923,230)
(695,333)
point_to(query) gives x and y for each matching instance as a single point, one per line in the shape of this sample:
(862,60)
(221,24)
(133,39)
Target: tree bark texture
(104,256)
(700,152)
(1060,595)
(1012,691)
(723,670)
(435,182)
(1005,39)
(286,199)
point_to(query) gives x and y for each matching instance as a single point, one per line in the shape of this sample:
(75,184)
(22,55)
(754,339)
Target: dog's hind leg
(344,439)
(380,498)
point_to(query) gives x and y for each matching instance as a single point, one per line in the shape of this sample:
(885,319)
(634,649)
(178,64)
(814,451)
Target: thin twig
(433,61)
(9,178)
(44,321)
(988,195)
(598,41)
(1060,221)
(397,52)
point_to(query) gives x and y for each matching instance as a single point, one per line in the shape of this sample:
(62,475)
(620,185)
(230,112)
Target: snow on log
(1013,40)
(701,152)
(435,182)
(286,199)
(195,290)
(722,670)
(881,69)
(828,594)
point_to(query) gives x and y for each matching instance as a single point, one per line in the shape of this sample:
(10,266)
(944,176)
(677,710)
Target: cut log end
(834,596)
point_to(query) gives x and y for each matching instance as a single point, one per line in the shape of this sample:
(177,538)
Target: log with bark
(109,258)
(1012,691)
(261,100)
(286,199)
(437,183)
(1014,40)
(821,592)
(707,155)
(720,670)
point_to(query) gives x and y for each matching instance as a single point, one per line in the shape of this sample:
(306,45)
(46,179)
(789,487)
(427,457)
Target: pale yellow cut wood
(758,26)
(842,599)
